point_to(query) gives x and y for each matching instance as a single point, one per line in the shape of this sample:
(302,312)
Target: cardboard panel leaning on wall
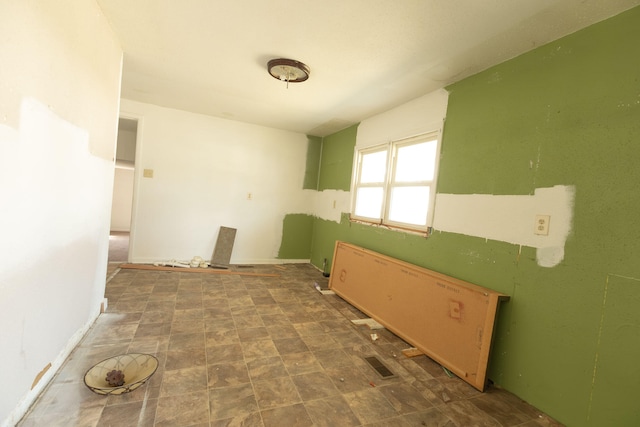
(449,320)
(59,95)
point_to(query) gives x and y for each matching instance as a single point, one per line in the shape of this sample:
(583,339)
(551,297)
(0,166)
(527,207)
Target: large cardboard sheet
(449,320)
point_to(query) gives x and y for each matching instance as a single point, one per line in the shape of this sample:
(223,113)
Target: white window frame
(389,183)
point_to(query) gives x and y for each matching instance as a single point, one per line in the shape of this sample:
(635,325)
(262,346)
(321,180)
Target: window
(394,183)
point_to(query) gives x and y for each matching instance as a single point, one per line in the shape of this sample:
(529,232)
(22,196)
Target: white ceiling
(365,56)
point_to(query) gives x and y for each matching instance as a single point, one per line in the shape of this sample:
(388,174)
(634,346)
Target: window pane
(416,162)
(374,166)
(409,205)
(369,202)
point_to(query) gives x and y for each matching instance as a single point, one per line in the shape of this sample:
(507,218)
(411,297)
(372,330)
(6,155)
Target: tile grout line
(206,358)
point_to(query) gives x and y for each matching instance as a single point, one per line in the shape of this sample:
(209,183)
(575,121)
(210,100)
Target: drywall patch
(549,257)
(511,218)
(329,204)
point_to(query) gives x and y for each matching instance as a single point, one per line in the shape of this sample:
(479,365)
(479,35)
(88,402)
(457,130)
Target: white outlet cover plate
(542,225)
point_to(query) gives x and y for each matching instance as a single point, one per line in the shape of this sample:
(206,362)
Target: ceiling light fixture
(288,70)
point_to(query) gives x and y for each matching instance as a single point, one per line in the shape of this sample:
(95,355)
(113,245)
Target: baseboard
(233,261)
(43,381)
(285,261)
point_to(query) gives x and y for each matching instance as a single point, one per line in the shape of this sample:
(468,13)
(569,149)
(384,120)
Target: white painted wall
(122,199)
(329,204)
(421,115)
(59,88)
(204,169)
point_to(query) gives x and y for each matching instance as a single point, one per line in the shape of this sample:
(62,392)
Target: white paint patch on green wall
(421,115)
(330,204)
(511,218)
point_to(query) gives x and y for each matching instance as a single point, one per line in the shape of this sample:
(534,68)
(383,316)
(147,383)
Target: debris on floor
(412,352)
(193,270)
(172,263)
(372,324)
(323,291)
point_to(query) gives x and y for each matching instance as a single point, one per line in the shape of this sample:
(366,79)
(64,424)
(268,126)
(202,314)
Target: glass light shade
(136,367)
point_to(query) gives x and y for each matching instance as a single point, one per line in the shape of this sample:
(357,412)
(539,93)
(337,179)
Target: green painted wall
(337,159)
(296,237)
(566,113)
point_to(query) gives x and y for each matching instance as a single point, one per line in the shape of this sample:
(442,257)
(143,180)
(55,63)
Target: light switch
(147,173)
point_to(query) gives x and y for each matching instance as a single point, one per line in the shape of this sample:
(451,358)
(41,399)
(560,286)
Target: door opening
(123,186)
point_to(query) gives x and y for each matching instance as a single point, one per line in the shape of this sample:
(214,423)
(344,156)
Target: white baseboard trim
(32,395)
(233,262)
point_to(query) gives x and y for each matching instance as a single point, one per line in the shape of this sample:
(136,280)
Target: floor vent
(379,367)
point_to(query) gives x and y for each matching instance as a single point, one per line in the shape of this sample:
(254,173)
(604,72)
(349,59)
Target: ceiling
(365,56)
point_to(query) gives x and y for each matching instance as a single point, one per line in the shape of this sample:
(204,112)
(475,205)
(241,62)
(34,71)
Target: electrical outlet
(542,225)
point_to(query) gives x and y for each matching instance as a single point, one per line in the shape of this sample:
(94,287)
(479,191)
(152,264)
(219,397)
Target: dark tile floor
(241,350)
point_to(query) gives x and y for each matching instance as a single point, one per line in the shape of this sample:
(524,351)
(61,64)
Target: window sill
(423,233)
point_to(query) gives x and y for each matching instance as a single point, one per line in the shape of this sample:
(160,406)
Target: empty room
(335,213)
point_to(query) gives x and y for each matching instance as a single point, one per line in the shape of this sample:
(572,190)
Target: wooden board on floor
(449,320)
(412,352)
(193,270)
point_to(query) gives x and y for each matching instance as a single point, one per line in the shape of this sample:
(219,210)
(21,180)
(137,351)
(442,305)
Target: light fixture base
(288,70)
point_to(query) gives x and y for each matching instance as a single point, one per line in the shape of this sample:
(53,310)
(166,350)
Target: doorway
(123,186)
